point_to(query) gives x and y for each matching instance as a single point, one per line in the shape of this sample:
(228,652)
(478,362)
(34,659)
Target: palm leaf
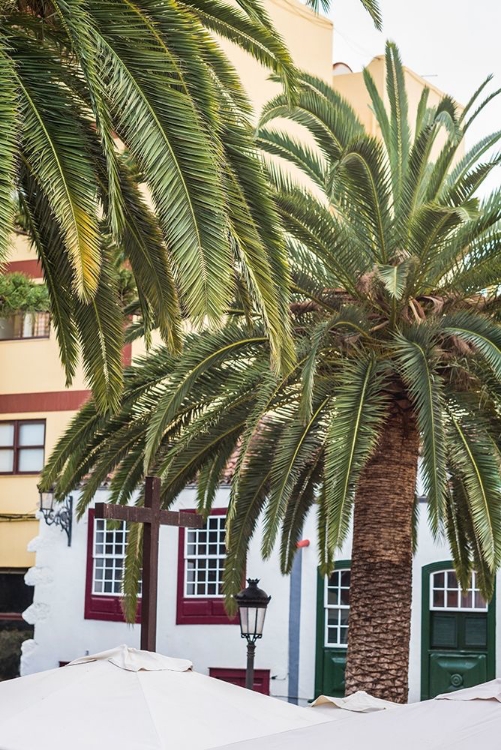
(479,331)
(357,414)
(416,361)
(474,458)
(8,137)
(54,144)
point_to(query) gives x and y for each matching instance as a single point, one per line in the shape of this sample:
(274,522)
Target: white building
(76,609)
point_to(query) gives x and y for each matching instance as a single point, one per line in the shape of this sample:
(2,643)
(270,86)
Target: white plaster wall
(429,551)
(62,633)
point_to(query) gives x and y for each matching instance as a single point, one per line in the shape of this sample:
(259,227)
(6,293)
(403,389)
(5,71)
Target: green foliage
(19,294)
(389,312)
(70,83)
(10,652)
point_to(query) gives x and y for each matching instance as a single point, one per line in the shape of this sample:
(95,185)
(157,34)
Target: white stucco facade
(287,649)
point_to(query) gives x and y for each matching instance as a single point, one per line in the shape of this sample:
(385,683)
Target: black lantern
(252,603)
(61,515)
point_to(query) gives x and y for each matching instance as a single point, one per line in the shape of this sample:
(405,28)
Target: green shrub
(10,652)
(18,294)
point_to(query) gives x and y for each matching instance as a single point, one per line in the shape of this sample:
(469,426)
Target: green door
(333,607)
(458,633)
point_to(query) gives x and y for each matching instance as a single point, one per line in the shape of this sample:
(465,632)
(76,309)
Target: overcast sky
(455,44)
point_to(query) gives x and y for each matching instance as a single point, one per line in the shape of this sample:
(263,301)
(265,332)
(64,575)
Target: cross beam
(153,516)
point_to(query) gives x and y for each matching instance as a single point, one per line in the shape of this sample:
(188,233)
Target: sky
(454,44)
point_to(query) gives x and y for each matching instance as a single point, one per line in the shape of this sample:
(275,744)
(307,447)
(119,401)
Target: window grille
(109,557)
(337,608)
(446,593)
(29,325)
(205,554)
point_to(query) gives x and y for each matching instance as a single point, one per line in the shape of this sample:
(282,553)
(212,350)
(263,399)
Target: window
(446,593)
(32,325)
(22,446)
(15,595)
(205,554)
(202,555)
(337,608)
(105,564)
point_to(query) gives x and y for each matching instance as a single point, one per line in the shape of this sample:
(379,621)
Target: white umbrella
(465,720)
(357,703)
(135,700)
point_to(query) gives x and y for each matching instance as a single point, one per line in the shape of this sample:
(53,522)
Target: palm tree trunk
(381,573)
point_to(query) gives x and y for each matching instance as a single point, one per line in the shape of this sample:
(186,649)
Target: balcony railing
(25,325)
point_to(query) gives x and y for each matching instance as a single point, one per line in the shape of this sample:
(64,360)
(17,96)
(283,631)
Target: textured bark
(381,573)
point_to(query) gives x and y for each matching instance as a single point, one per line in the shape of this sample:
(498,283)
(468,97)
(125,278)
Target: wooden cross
(153,517)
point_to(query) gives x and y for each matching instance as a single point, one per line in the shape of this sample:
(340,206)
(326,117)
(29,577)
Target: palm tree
(395,314)
(74,74)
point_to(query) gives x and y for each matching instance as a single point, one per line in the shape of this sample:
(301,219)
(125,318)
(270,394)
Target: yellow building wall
(308,37)
(19,495)
(33,366)
(352,87)
(20,248)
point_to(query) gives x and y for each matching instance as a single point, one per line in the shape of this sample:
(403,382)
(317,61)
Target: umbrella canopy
(357,703)
(456,721)
(136,700)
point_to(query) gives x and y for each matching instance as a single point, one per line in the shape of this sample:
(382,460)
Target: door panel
(450,672)
(333,673)
(458,633)
(332,631)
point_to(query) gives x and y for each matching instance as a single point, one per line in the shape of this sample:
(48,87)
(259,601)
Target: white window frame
(192,539)
(101,526)
(17,449)
(340,607)
(473,589)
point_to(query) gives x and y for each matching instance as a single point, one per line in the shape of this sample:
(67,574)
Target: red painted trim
(100,607)
(13,403)
(11,616)
(198,611)
(237,677)
(30,268)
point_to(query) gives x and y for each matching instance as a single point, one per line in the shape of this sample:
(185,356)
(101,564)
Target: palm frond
(8,138)
(475,458)
(358,410)
(292,454)
(100,328)
(54,145)
(415,358)
(477,330)
(206,353)
(186,192)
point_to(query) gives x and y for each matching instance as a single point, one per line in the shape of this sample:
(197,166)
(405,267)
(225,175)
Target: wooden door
(458,637)
(333,609)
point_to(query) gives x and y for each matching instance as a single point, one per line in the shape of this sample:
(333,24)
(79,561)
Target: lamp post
(62,516)
(252,603)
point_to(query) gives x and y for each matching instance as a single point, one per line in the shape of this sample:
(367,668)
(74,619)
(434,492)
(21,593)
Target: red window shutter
(197,610)
(98,607)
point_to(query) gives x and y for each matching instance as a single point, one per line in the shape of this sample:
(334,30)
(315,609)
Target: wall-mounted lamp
(55,513)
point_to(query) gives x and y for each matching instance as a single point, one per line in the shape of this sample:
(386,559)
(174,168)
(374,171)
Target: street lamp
(252,603)
(61,516)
